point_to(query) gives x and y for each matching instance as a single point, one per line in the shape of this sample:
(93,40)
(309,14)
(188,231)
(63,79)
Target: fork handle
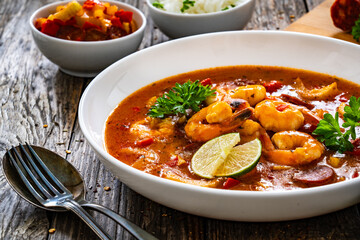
(135,230)
(86,217)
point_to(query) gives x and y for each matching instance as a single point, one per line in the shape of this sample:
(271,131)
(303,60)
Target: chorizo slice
(315,176)
(344,13)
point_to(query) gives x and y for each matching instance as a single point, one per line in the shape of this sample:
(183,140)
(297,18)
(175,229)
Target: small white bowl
(269,48)
(176,25)
(86,59)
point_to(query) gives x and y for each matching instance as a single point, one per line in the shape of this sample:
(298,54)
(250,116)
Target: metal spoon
(73,181)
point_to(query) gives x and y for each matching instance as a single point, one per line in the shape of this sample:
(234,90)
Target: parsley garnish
(328,130)
(180,98)
(158,5)
(186,5)
(356,30)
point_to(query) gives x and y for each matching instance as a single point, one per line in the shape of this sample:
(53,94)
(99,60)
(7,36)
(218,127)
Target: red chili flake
(272,86)
(136,109)
(281,107)
(173,162)
(88,25)
(206,82)
(125,16)
(230,182)
(144,142)
(355,175)
(50,28)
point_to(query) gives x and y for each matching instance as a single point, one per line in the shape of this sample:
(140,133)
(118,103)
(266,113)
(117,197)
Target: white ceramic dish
(176,25)
(273,48)
(86,59)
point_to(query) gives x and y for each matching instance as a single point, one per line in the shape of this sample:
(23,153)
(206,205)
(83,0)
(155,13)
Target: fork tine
(26,181)
(46,169)
(38,171)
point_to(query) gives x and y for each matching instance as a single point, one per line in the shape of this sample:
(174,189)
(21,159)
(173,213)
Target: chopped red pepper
(88,25)
(50,28)
(125,16)
(281,107)
(136,109)
(230,182)
(342,98)
(206,82)
(173,162)
(115,21)
(272,86)
(145,142)
(89,4)
(356,150)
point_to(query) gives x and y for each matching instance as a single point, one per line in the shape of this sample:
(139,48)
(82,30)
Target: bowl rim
(193,188)
(64,41)
(196,15)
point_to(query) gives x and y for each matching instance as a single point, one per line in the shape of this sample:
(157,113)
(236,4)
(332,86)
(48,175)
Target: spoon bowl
(62,169)
(72,180)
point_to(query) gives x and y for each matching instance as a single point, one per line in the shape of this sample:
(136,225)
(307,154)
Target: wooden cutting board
(318,21)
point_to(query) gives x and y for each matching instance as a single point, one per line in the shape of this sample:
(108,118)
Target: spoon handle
(135,230)
(86,217)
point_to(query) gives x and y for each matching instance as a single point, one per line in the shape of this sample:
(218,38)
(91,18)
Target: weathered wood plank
(33,93)
(311,4)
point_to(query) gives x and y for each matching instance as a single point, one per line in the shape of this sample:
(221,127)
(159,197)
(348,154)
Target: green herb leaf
(352,116)
(329,132)
(186,5)
(158,5)
(180,98)
(356,30)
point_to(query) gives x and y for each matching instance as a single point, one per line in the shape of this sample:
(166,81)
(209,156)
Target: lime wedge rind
(241,160)
(212,154)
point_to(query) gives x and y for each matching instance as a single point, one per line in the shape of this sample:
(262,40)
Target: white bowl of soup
(299,72)
(201,17)
(86,43)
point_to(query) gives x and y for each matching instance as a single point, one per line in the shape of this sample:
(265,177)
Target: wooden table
(34,93)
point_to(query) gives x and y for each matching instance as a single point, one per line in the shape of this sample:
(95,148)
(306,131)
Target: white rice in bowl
(199,6)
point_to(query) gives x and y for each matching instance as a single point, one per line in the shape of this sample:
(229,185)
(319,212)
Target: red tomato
(88,25)
(50,28)
(115,21)
(125,16)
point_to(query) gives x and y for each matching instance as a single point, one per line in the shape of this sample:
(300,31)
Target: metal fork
(49,193)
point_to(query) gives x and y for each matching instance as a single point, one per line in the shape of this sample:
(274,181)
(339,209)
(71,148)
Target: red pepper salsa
(92,21)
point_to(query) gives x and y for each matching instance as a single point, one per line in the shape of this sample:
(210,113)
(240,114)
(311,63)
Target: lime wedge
(241,159)
(212,154)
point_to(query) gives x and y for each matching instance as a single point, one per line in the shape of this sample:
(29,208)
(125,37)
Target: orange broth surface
(169,155)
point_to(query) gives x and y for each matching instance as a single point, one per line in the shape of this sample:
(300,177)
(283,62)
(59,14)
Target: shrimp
(251,93)
(276,115)
(153,127)
(293,148)
(323,93)
(250,130)
(215,120)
